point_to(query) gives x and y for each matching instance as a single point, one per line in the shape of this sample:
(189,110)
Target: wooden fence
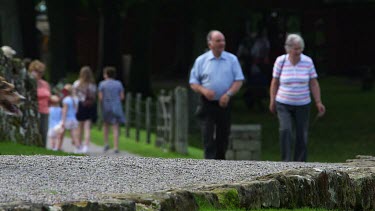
(167,117)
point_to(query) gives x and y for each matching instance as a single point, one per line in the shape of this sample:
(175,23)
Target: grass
(9,148)
(142,148)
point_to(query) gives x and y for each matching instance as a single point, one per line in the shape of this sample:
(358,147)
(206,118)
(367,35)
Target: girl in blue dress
(69,121)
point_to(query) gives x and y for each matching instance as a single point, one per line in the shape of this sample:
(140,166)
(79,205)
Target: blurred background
(154,44)
(159,39)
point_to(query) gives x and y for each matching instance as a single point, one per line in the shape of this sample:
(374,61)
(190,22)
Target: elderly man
(217,76)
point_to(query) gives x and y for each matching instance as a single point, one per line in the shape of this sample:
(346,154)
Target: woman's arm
(100,96)
(273,90)
(122,95)
(315,89)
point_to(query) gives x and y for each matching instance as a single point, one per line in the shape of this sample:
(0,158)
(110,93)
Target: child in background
(55,128)
(85,90)
(111,93)
(69,121)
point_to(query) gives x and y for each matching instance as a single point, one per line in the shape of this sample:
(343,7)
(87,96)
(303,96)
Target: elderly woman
(294,77)
(37,68)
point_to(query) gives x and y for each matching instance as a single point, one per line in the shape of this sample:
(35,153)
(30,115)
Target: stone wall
(22,129)
(244,142)
(351,188)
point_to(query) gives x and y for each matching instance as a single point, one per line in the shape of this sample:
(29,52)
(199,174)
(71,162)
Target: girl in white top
(85,90)
(69,121)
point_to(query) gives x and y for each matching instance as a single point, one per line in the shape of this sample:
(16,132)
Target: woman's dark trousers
(299,116)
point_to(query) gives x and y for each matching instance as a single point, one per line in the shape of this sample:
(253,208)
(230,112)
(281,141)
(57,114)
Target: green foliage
(228,198)
(142,148)
(10,148)
(71,77)
(203,204)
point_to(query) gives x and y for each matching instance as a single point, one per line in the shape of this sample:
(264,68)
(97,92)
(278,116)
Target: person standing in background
(294,77)
(69,121)
(85,90)
(55,128)
(37,69)
(111,94)
(217,76)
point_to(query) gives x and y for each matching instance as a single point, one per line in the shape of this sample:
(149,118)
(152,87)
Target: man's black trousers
(215,129)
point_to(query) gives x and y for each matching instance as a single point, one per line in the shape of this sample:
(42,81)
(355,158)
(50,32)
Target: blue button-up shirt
(217,74)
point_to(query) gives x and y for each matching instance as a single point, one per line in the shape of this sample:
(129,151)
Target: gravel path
(52,179)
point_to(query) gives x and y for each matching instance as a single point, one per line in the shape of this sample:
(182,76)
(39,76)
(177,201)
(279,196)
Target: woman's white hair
(293,39)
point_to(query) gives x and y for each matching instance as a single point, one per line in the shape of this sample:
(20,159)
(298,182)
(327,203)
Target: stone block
(243,155)
(245,136)
(245,145)
(248,127)
(255,155)
(229,155)
(244,142)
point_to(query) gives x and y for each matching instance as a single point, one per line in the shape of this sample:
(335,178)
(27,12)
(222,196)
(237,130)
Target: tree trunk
(110,48)
(62,53)
(27,17)
(141,49)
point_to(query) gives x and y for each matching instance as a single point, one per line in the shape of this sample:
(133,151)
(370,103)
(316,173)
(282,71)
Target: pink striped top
(294,86)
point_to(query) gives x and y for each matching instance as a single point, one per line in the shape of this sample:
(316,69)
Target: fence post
(170,121)
(128,103)
(181,120)
(159,120)
(148,120)
(138,115)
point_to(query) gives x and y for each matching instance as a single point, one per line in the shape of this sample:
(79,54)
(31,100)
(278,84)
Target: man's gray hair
(209,35)
(293,39)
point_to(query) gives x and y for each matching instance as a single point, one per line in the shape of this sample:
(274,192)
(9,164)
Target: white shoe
(77,150)
(84,149)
